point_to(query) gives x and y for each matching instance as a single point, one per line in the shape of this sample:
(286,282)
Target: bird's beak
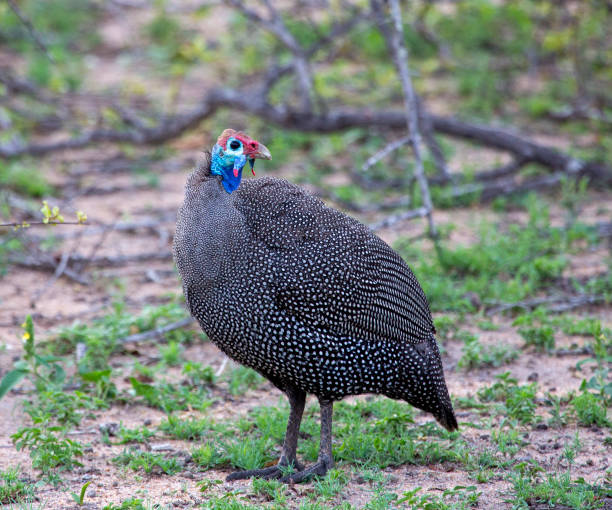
(262,152)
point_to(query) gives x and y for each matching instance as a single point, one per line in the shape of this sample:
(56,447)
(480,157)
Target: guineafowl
(305,295)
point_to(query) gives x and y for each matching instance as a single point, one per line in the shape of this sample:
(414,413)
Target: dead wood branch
(59,271)
(152,225)
(30,28)
(559,304)
(503,171)
(395,43)
(491,190)
(43,262)
(396,218)
(122,260)
(384,152)
(25,224)
(250,101)
(276,25)
(157,332)
(388,205)
(581,351)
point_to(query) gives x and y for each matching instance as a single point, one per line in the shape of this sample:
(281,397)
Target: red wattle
(235,172)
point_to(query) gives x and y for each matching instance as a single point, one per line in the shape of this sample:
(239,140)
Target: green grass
(242,379)
(190,429)
(475,355)
(210,455)
(148,462)
(508,263)
(171,354)
(590,410)
(530,487)
(13,489)
(136,504)
(136,435)
(50,450)
(25,179)
(171,397)
(101,334)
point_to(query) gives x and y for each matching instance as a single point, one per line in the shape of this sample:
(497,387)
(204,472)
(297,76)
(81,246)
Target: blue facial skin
(224,162)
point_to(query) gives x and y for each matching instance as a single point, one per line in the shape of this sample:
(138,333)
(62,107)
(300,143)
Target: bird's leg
(297,400)
(325,461)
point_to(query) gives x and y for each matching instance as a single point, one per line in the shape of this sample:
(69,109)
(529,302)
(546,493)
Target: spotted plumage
(305,295)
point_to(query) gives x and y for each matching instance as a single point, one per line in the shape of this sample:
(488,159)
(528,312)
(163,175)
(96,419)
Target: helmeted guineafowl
(305,295)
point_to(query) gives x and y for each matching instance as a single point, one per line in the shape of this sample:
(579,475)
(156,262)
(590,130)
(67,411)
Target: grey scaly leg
(325,461)
(297,400)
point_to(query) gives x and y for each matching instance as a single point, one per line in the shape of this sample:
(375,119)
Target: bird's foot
(318,469)
(280,471)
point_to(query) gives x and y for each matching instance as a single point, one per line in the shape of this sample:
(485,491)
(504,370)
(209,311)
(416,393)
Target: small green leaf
(11,379)
(96,375)
(82,495)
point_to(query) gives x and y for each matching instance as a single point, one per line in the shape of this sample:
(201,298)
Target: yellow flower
(26,336)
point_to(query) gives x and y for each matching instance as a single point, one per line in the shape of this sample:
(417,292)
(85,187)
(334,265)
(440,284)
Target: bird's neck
(209,230)
(228,167)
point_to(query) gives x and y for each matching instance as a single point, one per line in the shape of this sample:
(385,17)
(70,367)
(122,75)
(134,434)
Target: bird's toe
(318,469)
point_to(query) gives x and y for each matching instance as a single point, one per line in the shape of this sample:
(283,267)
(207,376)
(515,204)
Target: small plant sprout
(79,498)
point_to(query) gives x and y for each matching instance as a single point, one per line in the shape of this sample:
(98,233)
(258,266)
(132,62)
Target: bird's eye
(234,145)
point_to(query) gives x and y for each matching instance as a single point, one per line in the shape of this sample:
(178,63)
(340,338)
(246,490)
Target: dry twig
(30,28)
(157,332)
(560,303)
(395,42)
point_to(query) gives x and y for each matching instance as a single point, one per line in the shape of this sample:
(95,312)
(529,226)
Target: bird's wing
(330,270)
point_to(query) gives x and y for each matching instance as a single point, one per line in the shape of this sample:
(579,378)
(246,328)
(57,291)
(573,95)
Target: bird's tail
(446,416)
(426,366)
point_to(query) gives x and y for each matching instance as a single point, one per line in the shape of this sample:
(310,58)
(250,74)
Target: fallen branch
(400,203)
(503,187)
(384,152)
(45,263)
(49,264)
(251,101)
(30,28)
(564,303)
(157,332)
(503,171)
(396,218)
(574,352)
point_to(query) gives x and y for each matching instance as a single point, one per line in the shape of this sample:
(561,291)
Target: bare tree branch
(396,218)
(157,332)
(250,101)
(384,152)
(46,263)
(30,28)
(559,303)
(395,41)
(276,25)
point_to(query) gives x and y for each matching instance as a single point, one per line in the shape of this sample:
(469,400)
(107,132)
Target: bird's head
(231,152)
